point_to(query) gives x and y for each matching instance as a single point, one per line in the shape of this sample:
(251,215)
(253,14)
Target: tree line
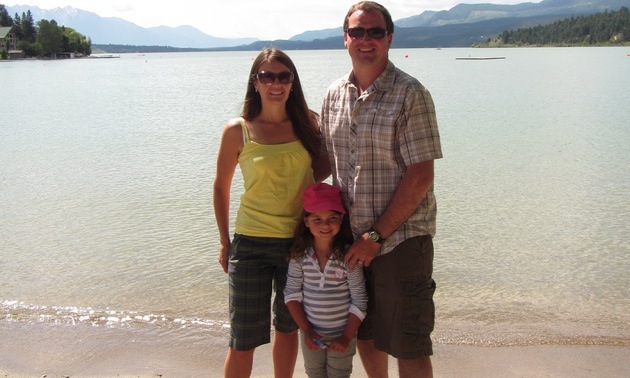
(607,28)
(46,38)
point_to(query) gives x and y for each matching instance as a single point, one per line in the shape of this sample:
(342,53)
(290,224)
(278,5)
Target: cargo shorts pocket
(418,315)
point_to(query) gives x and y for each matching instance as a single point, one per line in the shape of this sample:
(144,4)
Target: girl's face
(324,224)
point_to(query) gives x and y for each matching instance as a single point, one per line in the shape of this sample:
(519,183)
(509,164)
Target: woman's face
(279,89)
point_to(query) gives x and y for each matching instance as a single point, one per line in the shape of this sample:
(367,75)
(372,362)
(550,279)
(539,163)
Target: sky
(263,19)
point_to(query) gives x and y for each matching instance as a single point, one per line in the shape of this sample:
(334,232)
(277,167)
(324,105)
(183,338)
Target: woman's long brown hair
(297,109)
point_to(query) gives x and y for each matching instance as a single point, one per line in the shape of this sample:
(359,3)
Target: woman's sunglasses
(374,33)
(266,77)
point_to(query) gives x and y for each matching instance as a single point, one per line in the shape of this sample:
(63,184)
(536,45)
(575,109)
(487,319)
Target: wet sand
(448,361)
(41,350)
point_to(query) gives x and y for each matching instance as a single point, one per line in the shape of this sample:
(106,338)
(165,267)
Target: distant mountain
(312,35)
(472,13)
(455,35)
(112,30)
(468,13)
(461,26)
(465,34)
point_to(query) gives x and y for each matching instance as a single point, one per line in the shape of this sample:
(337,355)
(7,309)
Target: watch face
(374,236)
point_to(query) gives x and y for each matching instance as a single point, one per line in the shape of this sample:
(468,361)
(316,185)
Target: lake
(106,167)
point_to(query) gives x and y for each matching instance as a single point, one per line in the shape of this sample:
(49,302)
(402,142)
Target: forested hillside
(44,38)
(600,29)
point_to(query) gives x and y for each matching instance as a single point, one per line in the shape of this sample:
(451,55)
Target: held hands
(311,340)
(362,252)
(340,344)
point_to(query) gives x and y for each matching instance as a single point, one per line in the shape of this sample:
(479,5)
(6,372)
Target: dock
(480,57)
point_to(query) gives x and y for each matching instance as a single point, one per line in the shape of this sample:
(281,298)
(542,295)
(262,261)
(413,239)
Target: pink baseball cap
(322,197)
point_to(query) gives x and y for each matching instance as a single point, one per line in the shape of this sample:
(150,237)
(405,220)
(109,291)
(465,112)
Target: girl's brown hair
(303,239)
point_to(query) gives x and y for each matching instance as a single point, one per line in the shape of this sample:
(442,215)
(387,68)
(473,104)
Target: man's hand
(362,252)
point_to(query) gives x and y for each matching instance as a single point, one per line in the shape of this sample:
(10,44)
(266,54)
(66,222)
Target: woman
(276,143)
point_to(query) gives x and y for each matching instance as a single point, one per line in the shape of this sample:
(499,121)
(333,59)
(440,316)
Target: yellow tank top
(275,177)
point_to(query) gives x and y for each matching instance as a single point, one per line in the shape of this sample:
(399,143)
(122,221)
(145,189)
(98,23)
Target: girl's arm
(358,308)
(293,296)
(341,343)
(297,311)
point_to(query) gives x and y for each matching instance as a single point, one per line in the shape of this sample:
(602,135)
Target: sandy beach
(23,354)
(495,362)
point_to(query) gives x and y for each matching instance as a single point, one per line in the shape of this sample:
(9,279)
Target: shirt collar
(383,82)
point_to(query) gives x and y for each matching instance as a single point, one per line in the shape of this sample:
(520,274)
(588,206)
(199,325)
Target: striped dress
(327,296)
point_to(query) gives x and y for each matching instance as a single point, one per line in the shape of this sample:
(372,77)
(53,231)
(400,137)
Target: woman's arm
(227,160)
(320,164)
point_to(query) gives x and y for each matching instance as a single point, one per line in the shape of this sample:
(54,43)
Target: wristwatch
(375,236)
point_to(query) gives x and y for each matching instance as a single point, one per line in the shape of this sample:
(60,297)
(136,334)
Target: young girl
(327,301)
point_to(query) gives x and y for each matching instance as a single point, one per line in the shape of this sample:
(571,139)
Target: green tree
(75,42)
(5,19)
(50,37)
(31,49)
(17,27)
(26,33)
(45,39)
(597,29)
(29,32)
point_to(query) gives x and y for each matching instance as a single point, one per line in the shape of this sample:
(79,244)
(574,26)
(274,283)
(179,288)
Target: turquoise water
(106,170)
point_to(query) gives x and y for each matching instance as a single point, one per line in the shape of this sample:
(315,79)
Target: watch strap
(375,236)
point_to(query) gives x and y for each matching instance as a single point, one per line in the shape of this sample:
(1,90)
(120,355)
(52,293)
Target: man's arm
(410,192)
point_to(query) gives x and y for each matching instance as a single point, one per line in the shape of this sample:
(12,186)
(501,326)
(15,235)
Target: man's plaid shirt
(370,141)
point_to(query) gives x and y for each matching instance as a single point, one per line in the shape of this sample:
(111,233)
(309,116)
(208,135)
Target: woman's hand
(223,256)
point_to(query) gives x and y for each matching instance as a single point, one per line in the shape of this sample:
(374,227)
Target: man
(381,135)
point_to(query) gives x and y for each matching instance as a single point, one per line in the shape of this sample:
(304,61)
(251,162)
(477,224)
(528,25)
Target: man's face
(365,51)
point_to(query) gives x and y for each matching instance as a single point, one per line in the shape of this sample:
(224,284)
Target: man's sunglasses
(266,77)
(374,33)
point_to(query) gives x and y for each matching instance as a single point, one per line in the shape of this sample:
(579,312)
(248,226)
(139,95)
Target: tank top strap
(245,131)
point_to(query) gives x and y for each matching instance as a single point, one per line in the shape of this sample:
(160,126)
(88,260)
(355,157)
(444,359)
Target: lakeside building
(9,44)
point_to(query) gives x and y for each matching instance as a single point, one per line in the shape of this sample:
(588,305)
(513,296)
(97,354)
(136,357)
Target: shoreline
(449,361)
(61,351)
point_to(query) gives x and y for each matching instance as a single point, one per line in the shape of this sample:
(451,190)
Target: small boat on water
(480,57)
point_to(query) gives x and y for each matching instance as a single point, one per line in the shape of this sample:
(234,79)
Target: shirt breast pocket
(385,117)
(380,128)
